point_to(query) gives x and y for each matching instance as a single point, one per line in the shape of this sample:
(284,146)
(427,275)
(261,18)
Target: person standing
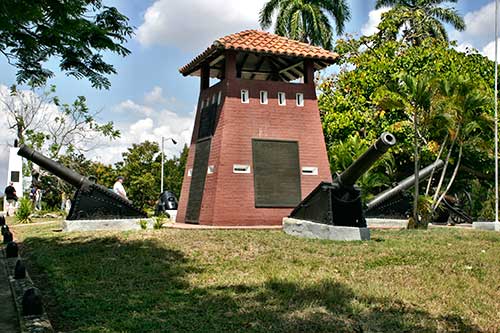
(38,199)
(118,187)
(11,197)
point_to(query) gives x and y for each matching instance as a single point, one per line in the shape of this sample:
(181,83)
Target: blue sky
(149,98)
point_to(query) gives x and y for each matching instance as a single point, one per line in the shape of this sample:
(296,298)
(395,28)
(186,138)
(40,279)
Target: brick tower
(257,147)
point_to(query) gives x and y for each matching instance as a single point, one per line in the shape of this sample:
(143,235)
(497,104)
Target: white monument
(15,173)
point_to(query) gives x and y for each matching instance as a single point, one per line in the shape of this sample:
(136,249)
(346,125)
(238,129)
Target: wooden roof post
(205,76)
(308,71)
(230,65)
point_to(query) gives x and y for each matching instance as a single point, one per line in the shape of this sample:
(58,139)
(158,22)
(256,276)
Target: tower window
(244,96)
(241,168)
(299,97)
(263,97)
(214,98)
(219,97)
(281,98)
(310,171)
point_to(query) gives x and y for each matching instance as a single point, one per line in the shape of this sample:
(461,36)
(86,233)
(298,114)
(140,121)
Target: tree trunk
(429,183)
(452,179)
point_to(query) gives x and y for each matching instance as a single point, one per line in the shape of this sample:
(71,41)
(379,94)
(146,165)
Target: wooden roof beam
(259,65)
(239,67)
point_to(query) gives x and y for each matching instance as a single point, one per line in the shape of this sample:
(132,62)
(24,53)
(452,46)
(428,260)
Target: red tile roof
(262,42)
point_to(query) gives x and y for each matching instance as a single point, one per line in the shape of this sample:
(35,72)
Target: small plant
(143,224)
(24,211)
(424,213)
(159,222)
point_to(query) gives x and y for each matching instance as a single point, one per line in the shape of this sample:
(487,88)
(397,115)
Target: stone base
(119,224)
(373,222)
(172,213)
(308,229)
(494,226)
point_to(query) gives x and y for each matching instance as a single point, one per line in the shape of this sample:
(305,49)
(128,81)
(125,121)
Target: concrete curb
(32,323)
(375,223)
(109,225)
(492,226)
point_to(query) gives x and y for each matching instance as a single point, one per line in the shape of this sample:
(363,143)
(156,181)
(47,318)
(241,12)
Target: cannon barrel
(403,185)
(57,169)
(339,203)
(365,161)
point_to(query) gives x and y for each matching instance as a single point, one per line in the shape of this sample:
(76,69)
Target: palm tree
(415,95)
(418,19)
(466,105)
(306,20)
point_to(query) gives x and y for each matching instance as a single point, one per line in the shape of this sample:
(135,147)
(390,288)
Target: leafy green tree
(75,31)
(469,125)
(414,95)
(348,103)
(141,168)
(306,20)
(418,19)
(174,172)
(53,187)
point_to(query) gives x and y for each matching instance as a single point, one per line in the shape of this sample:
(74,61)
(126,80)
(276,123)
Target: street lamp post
(162,157)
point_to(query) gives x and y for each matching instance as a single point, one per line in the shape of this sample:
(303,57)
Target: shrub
(143,224)
(24,210)
(159,222)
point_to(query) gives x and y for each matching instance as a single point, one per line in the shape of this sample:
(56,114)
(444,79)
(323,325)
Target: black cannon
(166,201)
(91,201)
(395,202)
(339,203)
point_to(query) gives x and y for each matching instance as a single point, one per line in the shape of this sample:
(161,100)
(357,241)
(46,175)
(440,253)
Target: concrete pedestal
(308,229)
(92,225)
(493,226)
(173,214)
(386,223)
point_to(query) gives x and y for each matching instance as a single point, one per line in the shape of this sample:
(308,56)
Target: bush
(24,211)
(143,224)
(159,222)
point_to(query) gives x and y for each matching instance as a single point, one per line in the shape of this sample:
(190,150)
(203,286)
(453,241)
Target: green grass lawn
(444,280)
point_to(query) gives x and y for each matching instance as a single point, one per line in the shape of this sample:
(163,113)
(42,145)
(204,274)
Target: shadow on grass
(109,284)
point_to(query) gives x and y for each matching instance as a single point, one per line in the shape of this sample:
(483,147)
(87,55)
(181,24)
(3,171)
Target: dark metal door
(276,173)
(198,176)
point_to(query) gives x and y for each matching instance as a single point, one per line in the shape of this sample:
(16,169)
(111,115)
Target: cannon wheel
(465,202)
(459,217)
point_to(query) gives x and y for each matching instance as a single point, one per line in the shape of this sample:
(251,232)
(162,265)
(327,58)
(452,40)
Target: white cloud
(479,28)
(155,96)
(374,18)
(131,106)
(161,122)
(480,22)
(194,24)
(489,50)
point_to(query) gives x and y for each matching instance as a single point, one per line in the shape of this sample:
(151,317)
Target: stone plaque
(276,173)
